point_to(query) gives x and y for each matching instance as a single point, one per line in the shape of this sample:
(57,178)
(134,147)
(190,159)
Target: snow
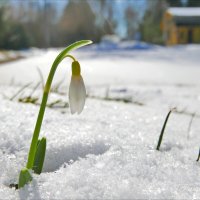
(177,11)
(108,151)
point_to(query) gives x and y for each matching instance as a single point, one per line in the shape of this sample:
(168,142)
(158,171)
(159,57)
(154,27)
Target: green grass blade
(24,177)
(20,90)
(198,156)
(163,130)
(190,124)
(39,156)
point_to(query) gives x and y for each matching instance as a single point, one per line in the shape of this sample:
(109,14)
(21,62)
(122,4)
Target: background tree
(175,3)
(12,34)
(105,17)
(193,3)
(150,27)
(131,19)
(78,22)
(109,22)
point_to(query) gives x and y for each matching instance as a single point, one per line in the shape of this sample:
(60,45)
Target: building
(181,25)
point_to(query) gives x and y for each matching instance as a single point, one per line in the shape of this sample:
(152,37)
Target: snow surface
(7,56)
(107,152)
(177,11)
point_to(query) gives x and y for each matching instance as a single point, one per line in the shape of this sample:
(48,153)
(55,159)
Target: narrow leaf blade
(39,156)
(71,47)
(24,177)
(198,156)
(163,129)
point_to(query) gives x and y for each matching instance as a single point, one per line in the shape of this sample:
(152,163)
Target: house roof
(185,16)
(184,12)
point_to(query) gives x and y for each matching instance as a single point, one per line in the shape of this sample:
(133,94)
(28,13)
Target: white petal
(73,95)
(77,94)
(82,96)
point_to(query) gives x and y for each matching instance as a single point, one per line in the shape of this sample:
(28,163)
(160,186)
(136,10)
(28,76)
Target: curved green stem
(70,56)
(47,88)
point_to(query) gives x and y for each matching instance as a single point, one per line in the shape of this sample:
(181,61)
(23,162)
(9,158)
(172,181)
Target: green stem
(47,88)
(70,56)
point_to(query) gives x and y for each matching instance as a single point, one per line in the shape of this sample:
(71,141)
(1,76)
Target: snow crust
(108,152)
(177,11)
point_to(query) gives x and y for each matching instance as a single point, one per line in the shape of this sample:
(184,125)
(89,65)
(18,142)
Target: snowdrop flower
(77,94)
(77,91)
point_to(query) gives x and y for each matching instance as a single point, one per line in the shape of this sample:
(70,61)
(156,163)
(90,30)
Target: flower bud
(77,91)
(76,69)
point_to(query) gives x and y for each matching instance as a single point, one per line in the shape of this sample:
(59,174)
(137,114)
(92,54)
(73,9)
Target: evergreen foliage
(150,27)
(175,3)
(193,3)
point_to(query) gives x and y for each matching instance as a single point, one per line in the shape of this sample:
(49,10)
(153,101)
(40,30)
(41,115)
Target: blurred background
(49,23)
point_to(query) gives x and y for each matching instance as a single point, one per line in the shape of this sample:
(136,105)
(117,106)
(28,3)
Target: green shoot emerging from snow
(163,129)
(77,94)
(190,125)
(198,156)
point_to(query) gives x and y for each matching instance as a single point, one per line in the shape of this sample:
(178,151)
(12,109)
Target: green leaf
(39,156)
(198,156)
(24,177)
(163,129)
(69,48)
(73,46)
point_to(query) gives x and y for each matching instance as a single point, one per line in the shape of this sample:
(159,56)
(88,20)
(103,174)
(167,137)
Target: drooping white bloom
(77,91)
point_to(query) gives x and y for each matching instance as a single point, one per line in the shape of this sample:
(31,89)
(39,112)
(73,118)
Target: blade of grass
(190,124)
(29,98)
(198,156)
(20,90)
(34,89)
(41,77)
(163,129)
(57,86)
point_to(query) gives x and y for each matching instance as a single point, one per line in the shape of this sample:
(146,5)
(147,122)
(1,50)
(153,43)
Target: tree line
(41,24)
